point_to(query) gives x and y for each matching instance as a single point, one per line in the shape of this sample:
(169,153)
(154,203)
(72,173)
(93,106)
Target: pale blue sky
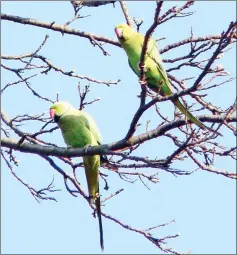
(203,204)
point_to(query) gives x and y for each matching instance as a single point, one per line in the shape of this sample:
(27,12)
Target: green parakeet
(80,130)
(156,76)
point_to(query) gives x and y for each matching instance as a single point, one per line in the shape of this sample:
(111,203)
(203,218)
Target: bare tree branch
(125,12)
(187,141)
(59,28)
(106,149)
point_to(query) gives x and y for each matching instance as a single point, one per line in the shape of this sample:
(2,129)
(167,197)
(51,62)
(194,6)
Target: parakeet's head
(124,32)
(58,109)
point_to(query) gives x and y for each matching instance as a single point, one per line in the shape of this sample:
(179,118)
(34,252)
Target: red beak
(118,32)
(52,113)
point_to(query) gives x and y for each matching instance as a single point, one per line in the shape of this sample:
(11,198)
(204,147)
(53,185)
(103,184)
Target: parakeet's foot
(86,147)
(92,199)
(139,67)
(95,196)
(143,82)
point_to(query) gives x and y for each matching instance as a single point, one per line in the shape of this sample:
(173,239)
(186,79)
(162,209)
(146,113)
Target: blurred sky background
(203,204)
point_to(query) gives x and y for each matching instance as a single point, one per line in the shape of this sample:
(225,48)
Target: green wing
(131,66)
(153,51)
(153,55)
(91,125)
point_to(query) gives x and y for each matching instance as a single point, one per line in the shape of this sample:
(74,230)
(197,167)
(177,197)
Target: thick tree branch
(106,149)
(58,28)
(198,145)
(66,30)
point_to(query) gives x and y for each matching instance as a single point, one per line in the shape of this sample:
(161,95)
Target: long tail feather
(92,174)
(188,114)
(192,118)
(98,210)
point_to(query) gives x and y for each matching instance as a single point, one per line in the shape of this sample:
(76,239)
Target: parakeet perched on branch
(80,130)
(156,76)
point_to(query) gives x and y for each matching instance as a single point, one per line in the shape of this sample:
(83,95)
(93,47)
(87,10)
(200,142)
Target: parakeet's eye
(119,32)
